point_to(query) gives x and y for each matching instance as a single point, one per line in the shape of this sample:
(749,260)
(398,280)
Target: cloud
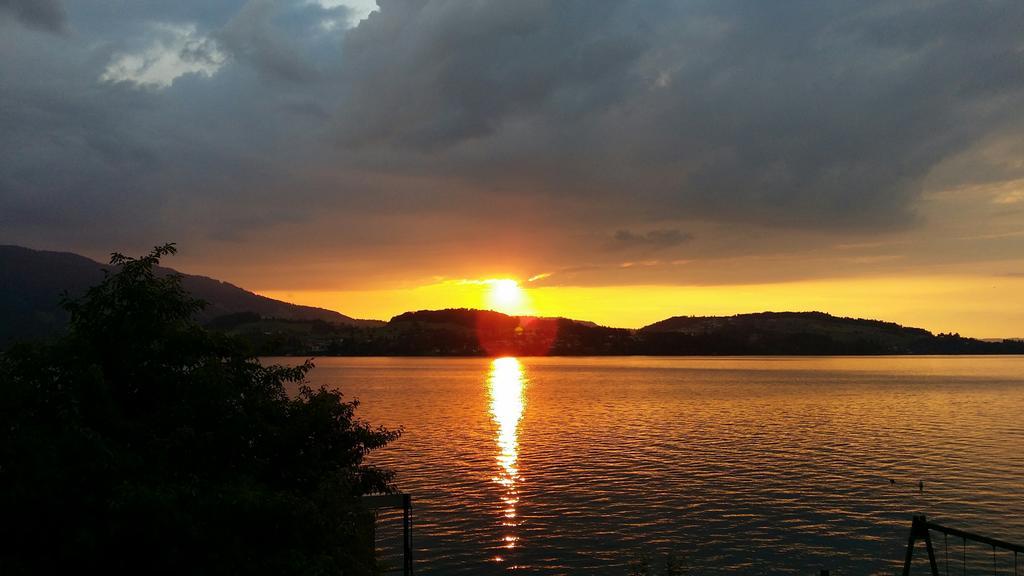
(46,15)
(257,35)
(655,239)
(94,161)
(803,115)
(430,133)
(358,10)
(1015,196)
(175,50)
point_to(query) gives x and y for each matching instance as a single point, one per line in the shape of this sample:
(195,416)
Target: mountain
(33,281)
(470,318)
(466,332)
(814,331)
(814,322)
(225,299)
(810,333)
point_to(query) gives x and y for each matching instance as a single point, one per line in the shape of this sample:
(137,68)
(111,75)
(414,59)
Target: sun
(505,295)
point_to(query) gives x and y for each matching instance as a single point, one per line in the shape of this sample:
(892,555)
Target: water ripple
(754,465)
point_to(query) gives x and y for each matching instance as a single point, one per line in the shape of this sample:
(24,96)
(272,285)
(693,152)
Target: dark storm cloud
(261,35)
(45,15)
(448,72)
(226,119)
(655,239)
(802,113)
(91,161)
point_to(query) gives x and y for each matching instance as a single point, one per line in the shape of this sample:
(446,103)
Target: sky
(622,161)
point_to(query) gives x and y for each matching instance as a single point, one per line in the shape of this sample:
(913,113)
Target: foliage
(461,332)
(139,442)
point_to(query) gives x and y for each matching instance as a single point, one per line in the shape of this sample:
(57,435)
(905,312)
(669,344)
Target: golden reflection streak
(506,384)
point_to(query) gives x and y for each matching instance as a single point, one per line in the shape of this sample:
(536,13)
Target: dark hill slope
(461,331)
(223,298)
(466,332)
(788,333)
(32,282)
(31,285)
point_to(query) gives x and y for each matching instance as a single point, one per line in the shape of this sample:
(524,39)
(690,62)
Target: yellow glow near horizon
(506,384)
(978,306)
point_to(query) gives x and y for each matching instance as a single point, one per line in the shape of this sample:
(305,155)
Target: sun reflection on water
(507,383)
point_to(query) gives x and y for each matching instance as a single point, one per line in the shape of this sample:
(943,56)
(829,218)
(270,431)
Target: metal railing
(395,501)
(921,530)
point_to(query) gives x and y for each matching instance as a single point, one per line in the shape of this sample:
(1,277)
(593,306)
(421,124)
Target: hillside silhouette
(467,332)
(797,332)
(33,282)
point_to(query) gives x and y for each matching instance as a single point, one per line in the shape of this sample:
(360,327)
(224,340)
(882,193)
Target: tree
(139,442)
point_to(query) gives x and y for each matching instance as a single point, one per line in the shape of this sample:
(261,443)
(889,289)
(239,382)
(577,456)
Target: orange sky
(980,307)
(960,268)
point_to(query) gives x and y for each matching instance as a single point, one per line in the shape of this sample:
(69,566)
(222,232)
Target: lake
(777,465)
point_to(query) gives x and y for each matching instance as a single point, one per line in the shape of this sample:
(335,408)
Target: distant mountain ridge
(766,324)
(224,298)
(467,332)
(779,321)
(470,317)
(33,281)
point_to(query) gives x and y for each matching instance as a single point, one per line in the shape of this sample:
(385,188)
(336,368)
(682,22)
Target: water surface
(740,465)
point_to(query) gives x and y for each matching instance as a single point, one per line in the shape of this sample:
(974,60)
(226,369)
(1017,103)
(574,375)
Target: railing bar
(976,537)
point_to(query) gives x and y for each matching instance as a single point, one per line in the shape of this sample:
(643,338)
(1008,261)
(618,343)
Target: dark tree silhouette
(141,443)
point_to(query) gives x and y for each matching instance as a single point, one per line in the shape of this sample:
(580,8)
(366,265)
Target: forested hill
(32,282)
(464,332)
(814,332)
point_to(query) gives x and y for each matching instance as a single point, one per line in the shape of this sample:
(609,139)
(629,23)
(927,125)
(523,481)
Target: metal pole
(928,545)
(910,546)
(407,534)
(919,529)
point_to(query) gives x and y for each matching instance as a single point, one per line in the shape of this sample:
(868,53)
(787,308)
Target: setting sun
(505,295)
